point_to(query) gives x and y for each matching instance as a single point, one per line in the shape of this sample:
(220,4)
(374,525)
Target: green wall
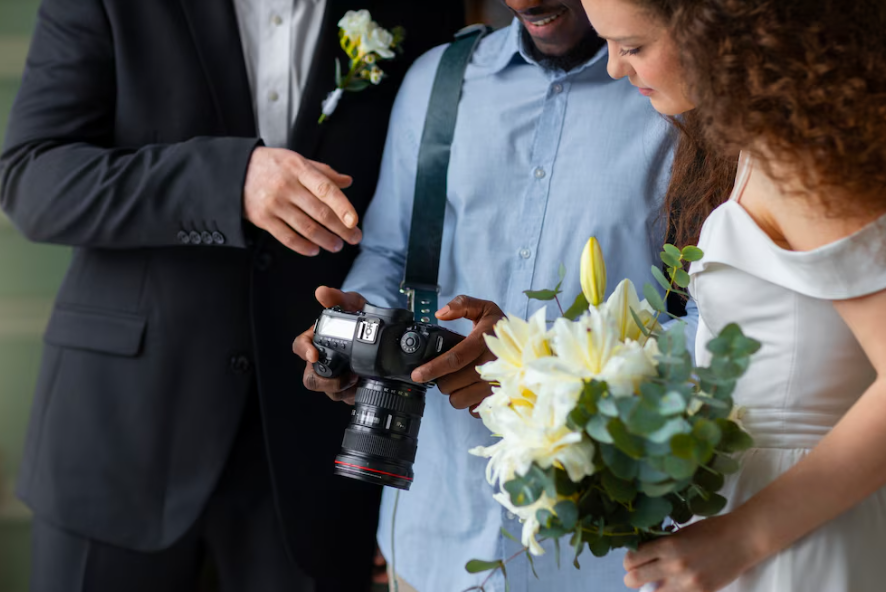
(29,277)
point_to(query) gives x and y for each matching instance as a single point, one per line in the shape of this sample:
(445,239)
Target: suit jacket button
(263,261)
(218,238)
(195,237)
(183,237)
(240,364)
(206,238)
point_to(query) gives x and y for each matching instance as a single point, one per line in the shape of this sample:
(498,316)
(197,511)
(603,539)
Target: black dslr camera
(382,346)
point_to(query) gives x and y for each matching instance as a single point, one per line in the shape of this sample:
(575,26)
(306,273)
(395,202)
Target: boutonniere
(366,43)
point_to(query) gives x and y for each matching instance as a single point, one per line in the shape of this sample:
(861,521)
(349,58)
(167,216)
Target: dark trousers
(237,541)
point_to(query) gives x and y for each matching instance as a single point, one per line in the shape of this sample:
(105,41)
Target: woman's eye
(629,52)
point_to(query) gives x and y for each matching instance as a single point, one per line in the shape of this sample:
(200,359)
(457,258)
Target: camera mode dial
(410,342)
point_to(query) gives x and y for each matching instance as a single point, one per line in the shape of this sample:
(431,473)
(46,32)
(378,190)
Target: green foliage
(663,453)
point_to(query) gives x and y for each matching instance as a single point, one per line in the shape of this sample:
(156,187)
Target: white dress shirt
(279,38)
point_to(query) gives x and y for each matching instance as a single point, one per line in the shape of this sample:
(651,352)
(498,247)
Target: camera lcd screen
(336,327)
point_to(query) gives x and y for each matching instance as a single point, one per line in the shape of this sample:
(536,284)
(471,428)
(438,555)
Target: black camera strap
(429,205)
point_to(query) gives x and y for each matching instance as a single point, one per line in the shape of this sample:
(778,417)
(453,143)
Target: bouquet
(608,431)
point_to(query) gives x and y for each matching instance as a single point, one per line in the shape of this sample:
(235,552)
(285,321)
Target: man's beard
(578,55)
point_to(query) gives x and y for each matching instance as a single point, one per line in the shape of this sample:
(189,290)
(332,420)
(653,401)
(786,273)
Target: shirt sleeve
(379,268)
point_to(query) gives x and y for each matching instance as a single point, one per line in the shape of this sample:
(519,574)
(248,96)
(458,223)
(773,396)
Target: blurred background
(29,277)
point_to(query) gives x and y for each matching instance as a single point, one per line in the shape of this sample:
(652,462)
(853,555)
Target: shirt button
(525,253)
(183,237)
(277,20)
(557,88)
(206,238)
(195,237)
(511,516)
(273,96)
(539,173)
(218,238)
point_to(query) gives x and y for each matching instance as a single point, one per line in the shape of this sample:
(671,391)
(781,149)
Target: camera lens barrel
(380,443)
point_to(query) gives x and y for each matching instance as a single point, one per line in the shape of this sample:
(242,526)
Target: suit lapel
(306,132)
(216,34)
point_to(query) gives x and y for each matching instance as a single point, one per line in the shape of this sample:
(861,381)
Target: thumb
(329,297)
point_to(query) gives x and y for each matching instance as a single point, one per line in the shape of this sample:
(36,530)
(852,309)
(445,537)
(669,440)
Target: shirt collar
(513,47)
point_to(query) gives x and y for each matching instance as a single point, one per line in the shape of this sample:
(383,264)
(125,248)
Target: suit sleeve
(63,181)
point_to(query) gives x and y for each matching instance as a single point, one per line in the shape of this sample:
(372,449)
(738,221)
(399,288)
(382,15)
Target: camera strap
(429,204)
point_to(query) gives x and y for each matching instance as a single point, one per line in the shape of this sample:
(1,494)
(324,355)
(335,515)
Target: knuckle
(323,189)
(325,216)
(310,229)
(310,380)
(460,301)
(453,360)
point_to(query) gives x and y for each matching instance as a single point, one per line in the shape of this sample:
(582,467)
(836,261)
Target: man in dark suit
(169,423)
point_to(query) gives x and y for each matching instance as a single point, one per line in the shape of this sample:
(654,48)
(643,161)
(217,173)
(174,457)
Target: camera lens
(380,443)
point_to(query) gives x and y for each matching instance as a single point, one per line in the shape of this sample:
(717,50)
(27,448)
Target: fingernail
(443,311)
(350,220)
(337,246)
(313,252)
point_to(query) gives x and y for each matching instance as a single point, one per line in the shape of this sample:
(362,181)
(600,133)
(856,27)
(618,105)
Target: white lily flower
(619,306)
(516,343)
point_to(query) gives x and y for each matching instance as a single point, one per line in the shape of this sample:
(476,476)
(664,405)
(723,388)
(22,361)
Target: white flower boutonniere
(366,43)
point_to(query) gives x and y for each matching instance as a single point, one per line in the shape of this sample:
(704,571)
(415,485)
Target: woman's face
(641,48)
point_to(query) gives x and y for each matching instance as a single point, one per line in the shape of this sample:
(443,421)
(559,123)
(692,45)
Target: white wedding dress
(809,371)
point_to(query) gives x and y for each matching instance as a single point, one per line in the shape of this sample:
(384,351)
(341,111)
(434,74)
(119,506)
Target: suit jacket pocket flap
(110,333)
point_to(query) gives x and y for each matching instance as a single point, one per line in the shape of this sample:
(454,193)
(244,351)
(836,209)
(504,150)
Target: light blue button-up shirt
(541,160)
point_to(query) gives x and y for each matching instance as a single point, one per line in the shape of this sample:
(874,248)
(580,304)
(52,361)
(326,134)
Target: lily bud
(593,272)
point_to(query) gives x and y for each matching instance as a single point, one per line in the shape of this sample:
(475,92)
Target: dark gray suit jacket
(129,141)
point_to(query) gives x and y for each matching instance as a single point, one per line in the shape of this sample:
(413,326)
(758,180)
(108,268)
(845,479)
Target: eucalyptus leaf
(681,278)
(680,468)
(707,431)
(567,512)
(670,260)
(531,563)
(734,438)
(660,278)
(657,489)
(726,464)
(692,253)
(561,272)
(645,420)
(600,547)
(639,322)
(478,566)
(618,462)
(672,403)
(596,429)
(650,511)
(510,536)
(710,480)
(707,507)
(624,440)
(675,426)
(607,407)
(672,250)
(654,298)
(618,489)
(523,491)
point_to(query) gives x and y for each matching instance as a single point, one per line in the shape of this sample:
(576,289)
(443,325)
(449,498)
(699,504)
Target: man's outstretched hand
(337,389)
(455,371)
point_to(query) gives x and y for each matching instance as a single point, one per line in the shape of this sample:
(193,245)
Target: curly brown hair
(800,84)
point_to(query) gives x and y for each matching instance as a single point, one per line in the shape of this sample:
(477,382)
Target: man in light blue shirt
(548,151)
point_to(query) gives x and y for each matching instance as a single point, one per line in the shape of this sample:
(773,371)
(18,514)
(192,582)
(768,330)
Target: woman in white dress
(797,257)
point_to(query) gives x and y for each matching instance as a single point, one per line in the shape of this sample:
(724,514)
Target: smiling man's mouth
(544,21)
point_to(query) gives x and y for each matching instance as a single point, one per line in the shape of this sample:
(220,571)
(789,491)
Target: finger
(460,356)
(471,395)
(322,214)
(646,574)
(290,239)
(309,228)
(303,347)
(329,297)
(646,553)
(346,396)
(335,388)
(466,307)
(342,180)
(458,380)
(326,191)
